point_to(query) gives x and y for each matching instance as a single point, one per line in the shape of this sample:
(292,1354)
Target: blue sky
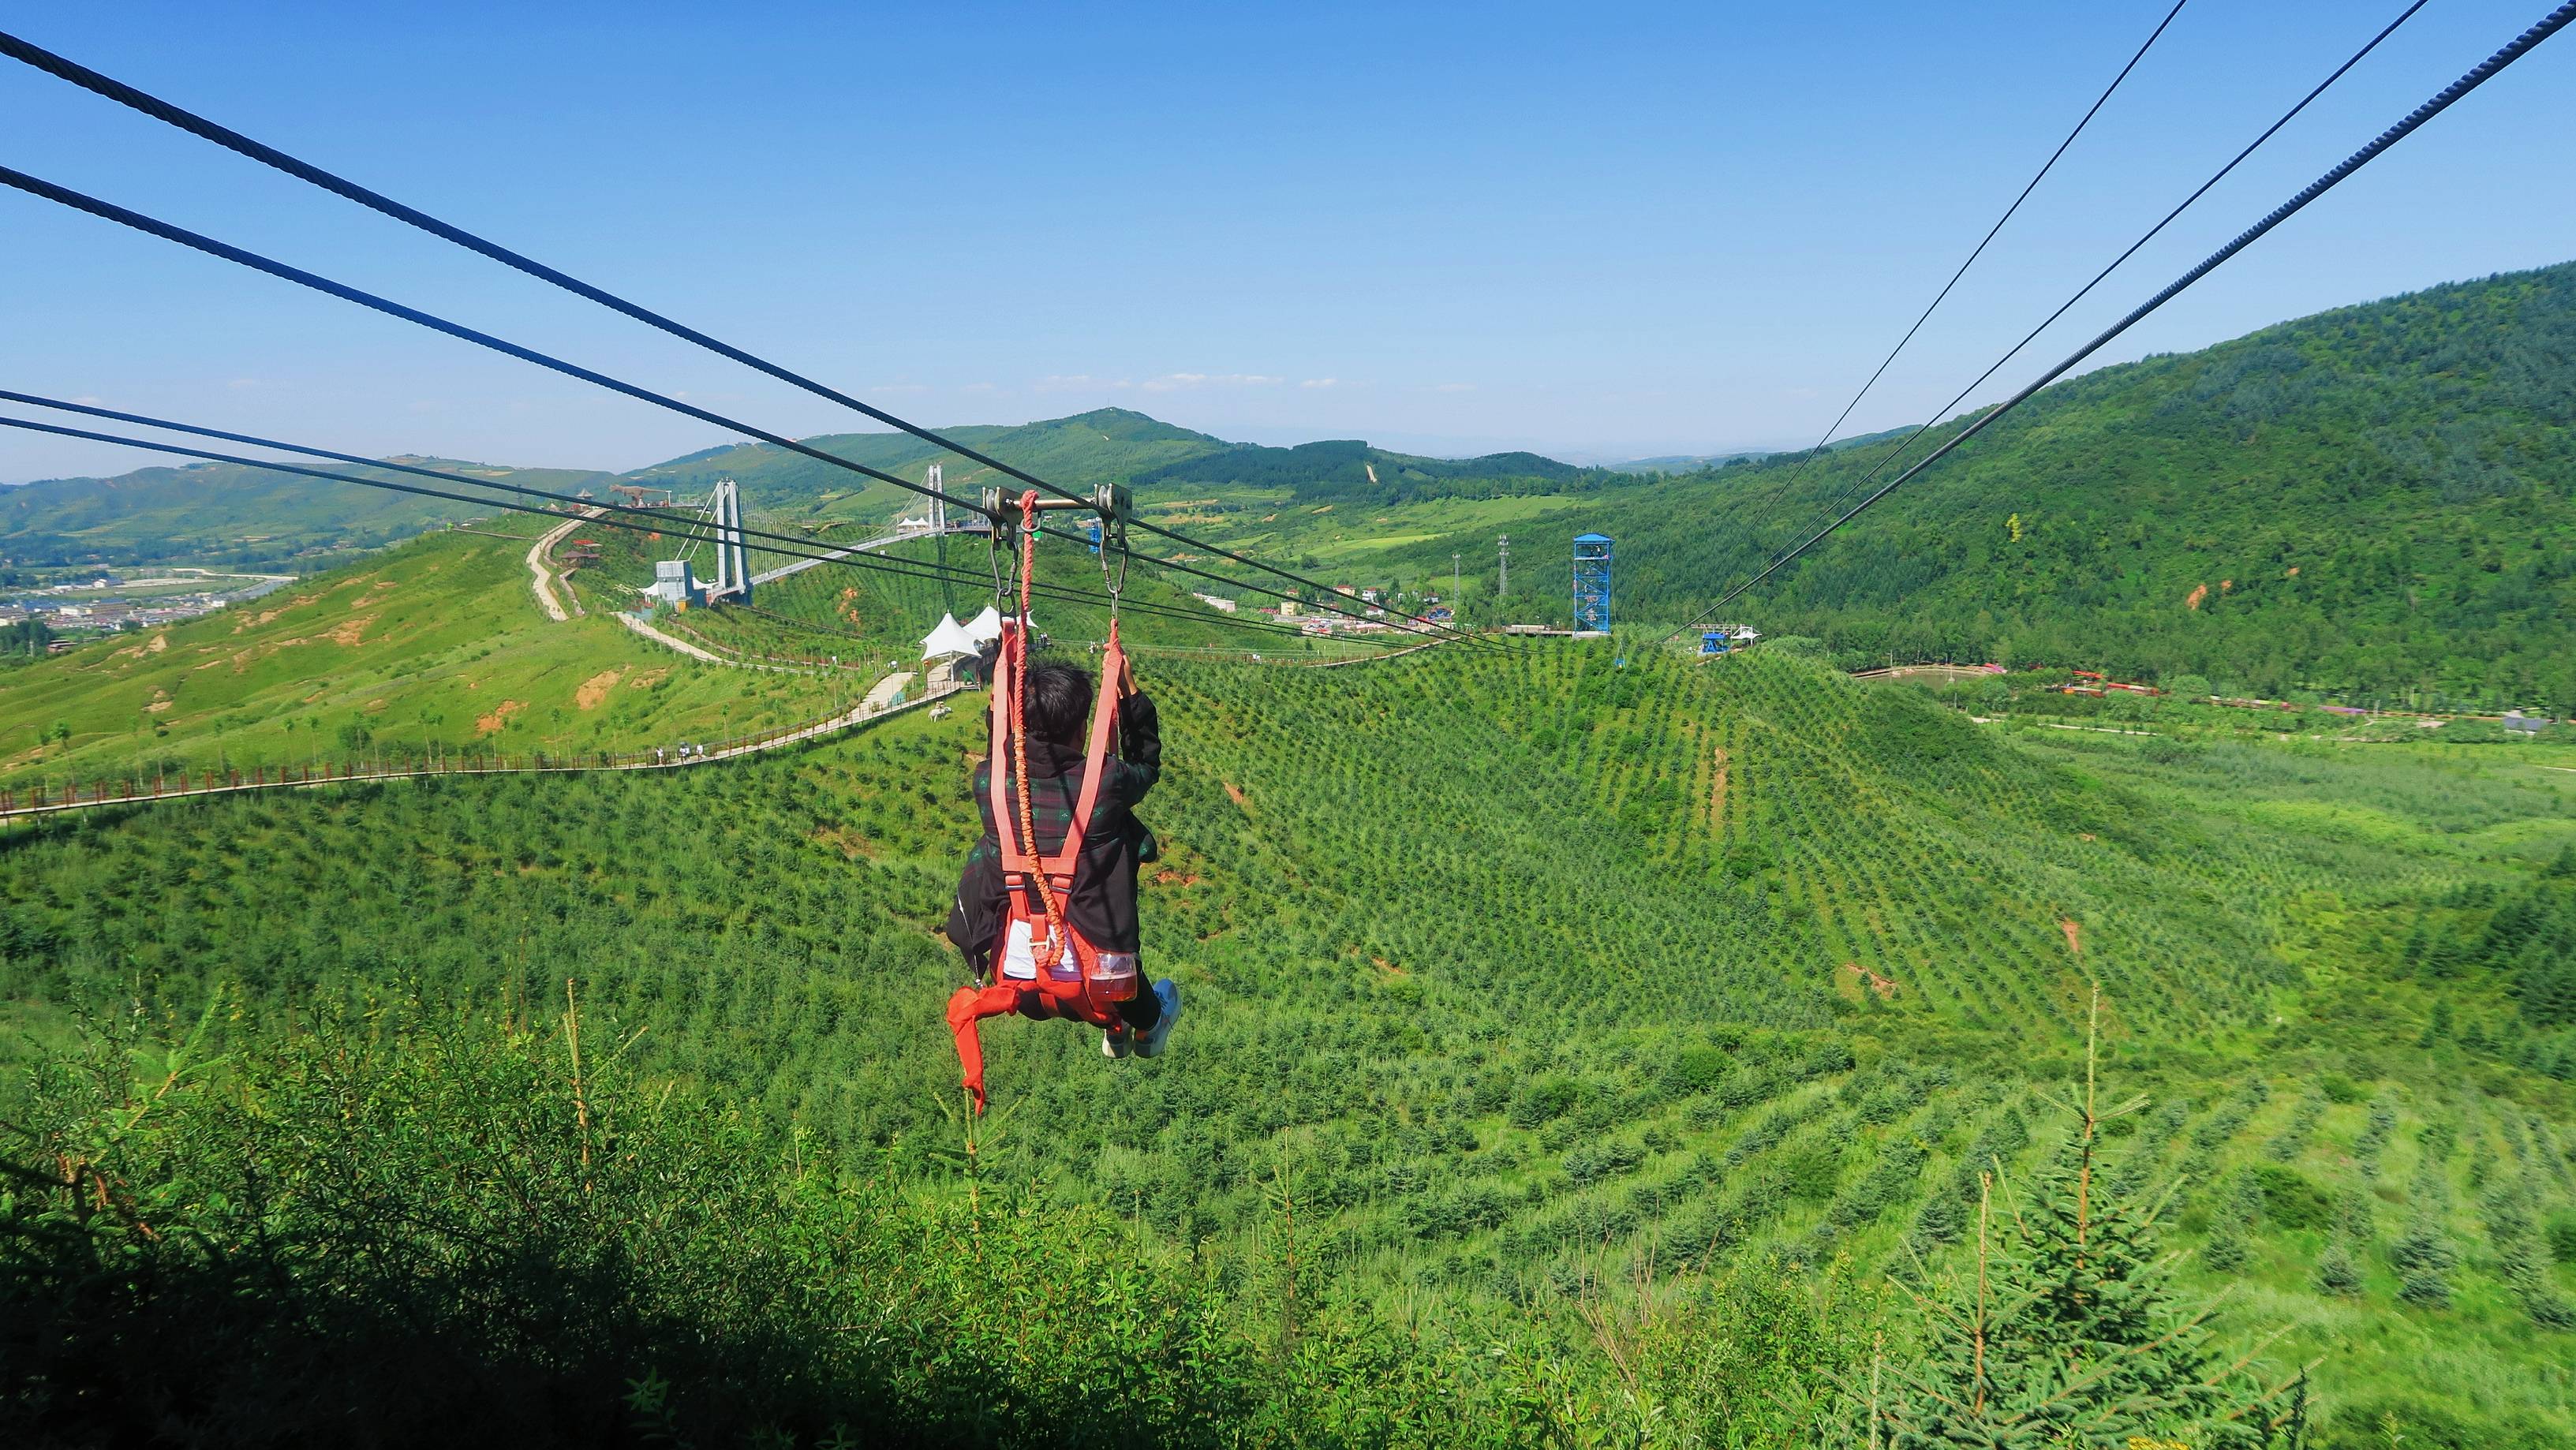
(1602,230)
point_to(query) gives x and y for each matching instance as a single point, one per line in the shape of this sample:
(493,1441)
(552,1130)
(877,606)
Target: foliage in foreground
(408,1219)
(439,1229)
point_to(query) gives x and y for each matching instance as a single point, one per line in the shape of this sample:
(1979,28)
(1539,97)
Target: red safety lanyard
(1015,832)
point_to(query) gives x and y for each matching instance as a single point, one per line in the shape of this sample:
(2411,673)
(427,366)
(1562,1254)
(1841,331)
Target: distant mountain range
(2380,497)
(225,513)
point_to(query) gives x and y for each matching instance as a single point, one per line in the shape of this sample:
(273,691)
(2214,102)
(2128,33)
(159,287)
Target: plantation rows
(1504,1014)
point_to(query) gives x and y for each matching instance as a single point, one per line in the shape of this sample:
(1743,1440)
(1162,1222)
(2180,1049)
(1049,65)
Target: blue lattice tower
(1592,582)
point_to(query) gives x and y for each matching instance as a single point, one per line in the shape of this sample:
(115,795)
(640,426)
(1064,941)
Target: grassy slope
(437,642)
(1481,952)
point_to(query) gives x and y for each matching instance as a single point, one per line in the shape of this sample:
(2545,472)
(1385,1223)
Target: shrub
(2337,1273)
(2290,1200)
(1543,1100)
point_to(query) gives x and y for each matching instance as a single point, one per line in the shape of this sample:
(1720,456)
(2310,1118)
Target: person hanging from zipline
(1045,913)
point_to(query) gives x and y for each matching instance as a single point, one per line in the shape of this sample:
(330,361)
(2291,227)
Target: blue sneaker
(1150,1044)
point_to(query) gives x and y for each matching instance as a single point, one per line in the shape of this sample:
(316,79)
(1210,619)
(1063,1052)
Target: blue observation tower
(1592,584)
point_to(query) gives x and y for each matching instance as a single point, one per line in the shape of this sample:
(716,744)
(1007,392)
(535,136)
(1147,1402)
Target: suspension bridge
(997,512)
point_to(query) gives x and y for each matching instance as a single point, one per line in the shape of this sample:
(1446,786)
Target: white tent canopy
(949,641)
(985,627)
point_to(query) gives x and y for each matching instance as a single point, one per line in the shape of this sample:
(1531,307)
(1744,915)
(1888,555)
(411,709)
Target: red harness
(1042,966)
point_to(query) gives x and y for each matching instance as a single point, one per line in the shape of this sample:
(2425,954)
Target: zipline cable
(796,548)
(663,521)
(1943,295)
(2485,71)
(153,226)
(890,566)
(1835,500)
(118,91)
(92,410)
(110,211)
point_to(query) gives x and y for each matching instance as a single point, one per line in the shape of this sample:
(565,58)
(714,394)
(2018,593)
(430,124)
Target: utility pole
(1503,566)
(1453,581)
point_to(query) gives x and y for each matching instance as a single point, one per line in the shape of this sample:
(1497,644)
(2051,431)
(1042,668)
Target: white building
(674,584)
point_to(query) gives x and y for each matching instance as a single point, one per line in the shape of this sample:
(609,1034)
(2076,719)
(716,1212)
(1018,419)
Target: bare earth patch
(595,689)
(352,631)
(649,678)
(849,843)
(491,724)
(1717,792)
(2074,934)
(1236,792)
(1862,976)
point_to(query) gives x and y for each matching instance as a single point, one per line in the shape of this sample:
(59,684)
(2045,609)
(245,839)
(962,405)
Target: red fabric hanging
(1061,985)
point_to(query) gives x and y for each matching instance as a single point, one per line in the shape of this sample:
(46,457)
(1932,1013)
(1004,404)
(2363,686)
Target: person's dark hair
(1059,702)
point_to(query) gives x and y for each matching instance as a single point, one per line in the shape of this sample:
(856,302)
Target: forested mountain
(2372,501)
(1350,471)
(227,514)
(1106,445)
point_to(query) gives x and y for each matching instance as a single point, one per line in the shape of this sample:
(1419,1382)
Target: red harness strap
(1059,980)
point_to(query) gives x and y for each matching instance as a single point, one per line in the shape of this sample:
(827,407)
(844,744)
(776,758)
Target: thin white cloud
(1321,383)
(1455,388)
(85,400)
(1175,382)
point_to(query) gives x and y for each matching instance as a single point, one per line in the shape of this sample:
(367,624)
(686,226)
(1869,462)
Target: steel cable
(1835,500)
(2485,71)
(1943,295)
(118,91)
(900,567)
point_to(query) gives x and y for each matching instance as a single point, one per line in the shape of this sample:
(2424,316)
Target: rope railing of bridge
(47,798)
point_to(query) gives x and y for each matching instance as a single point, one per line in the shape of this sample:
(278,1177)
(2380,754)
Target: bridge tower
(1592,584)
(733,559)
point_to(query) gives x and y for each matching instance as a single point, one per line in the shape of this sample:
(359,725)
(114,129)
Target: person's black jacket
(1102,904)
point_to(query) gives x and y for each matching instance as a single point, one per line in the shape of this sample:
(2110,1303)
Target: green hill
(1107,445)
(2375,501)
(435,645)
(2369,504)
(1349,471)
(226,514)
(1572,1048)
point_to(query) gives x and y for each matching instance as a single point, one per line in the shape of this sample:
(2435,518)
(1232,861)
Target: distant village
(107,603)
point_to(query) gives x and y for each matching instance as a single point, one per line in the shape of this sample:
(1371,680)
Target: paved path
(541,574)
(638,625)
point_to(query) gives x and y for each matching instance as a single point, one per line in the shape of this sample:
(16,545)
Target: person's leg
(1166,996)
(1141,1011)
